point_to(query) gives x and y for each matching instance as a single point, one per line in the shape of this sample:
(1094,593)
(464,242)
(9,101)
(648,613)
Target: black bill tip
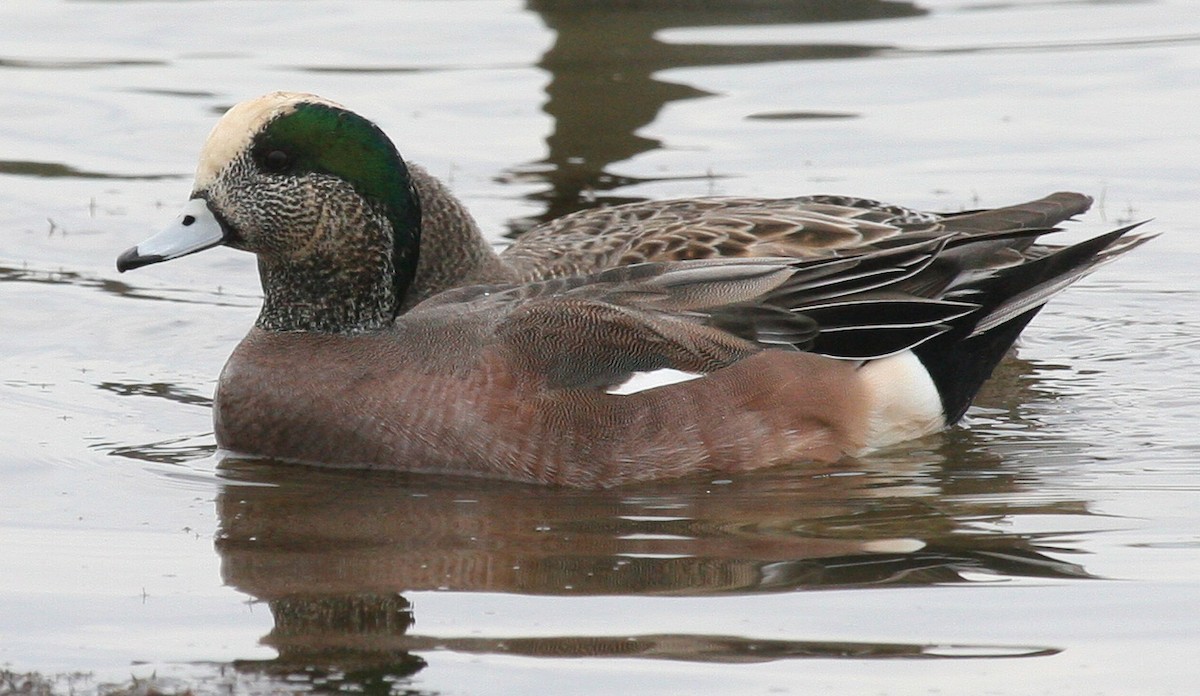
(131,259)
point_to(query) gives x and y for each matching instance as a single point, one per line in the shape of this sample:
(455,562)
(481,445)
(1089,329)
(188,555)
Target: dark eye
(277,161)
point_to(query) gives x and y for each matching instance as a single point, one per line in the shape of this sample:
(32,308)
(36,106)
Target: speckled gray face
(323,199)
(275,214)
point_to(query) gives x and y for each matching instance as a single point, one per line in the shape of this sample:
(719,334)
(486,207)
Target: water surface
(1051,545)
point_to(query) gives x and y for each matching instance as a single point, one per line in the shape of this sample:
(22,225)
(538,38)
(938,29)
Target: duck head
(320,195)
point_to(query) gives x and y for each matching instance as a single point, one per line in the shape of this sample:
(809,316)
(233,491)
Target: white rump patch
(641,381)
(903,400)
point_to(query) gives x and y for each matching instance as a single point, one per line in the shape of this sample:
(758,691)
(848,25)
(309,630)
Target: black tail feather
(959,366)
(960,360)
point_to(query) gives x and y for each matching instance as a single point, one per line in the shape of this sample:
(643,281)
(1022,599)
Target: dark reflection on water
(798,115)
(163,92)
(57,170)
(76,64)
(1058,46)
(361,643)
(176,450)
(333,553)
(10,274)
(604,86)
(160,390)
(765,533)
(179,450)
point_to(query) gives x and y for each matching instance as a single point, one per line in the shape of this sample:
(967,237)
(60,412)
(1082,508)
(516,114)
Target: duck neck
(296,298)
(454,252)
(293,300)
(336,286)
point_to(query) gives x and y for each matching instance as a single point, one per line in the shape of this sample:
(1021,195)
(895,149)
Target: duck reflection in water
(332,554)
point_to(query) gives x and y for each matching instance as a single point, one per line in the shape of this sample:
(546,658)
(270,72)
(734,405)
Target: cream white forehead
(239,125)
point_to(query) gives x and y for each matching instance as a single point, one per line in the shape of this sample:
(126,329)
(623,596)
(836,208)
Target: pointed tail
(961,359)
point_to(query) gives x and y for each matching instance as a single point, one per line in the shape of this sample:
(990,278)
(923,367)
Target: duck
(611,346)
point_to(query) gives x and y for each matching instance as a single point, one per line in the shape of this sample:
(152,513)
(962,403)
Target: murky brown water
(1050,546)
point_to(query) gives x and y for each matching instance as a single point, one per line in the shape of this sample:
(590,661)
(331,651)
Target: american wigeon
(392,336)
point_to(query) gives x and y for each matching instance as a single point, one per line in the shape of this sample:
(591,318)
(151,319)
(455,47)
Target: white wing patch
(641,381)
